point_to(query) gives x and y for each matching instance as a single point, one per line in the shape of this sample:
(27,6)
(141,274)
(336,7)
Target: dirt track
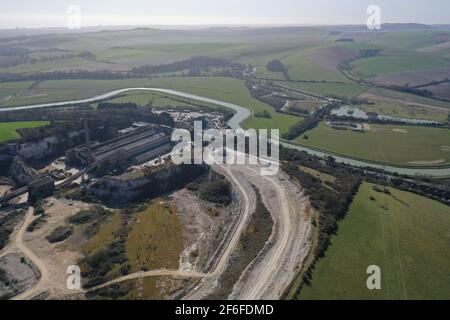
(275,268)
(40,265)
(268,275)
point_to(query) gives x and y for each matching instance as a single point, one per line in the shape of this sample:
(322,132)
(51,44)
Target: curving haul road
(241,115)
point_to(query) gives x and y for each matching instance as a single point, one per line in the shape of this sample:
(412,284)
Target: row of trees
(195,63)
(331,200)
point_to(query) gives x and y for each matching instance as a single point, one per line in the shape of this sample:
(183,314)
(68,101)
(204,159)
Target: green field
(380,94)
(233,91)
(73,63)
(405,145)
(406,235)
(9,89)
(226,89)
(380,65)
(8,130)
(407,111)
(159,100)
(341,90)
(63,90)
(406,40)
(263,56)
(301,67)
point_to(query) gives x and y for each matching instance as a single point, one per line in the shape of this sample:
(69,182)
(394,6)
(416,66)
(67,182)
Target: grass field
(320,175)
(63,90)
(233,91)
(406,235)
(72,63)
(105,236)
(385,95)
(8,130)
(341,90)
(407,111)
(380,65)
(406,40)
(261,57)
(301,67)
(405,145)
(9,89)
(226,89)
(155,241)
(159,100)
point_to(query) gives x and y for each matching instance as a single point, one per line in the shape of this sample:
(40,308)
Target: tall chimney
(88,143)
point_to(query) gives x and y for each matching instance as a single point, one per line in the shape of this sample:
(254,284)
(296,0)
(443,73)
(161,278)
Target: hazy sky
(53,13)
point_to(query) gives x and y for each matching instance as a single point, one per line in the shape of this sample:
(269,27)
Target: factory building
(135,145)
(41,188)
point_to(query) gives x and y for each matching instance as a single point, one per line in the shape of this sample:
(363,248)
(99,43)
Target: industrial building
(135,145)
(41,188)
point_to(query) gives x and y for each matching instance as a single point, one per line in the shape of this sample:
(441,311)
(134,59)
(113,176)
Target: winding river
(240,115)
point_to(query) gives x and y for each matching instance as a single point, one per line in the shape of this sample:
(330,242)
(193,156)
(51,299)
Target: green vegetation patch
(406,235)
(407,111)
(155,240)
(375,66)
(160,101)
(405,145)
(213,188)
(325,178)
(385,95)
(341,90)
(233,91)
(225,89)
(8,130)
(301,67)
(105,235)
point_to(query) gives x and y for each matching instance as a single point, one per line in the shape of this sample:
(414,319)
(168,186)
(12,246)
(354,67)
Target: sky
(53,13)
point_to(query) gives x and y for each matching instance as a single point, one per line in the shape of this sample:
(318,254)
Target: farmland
(301,67)
(152,229)
(396,97)
(375,66)
(9,90)
(342,90)
(63,90)
(404,145)
(232,91)
(158,100)
(406,235)
(8,130)
(408,111)
(225,89)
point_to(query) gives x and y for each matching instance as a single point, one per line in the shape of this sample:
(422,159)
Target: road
(222,263)
(243,113)
(272,264)
(19,245)
(275,267)
(269,275)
